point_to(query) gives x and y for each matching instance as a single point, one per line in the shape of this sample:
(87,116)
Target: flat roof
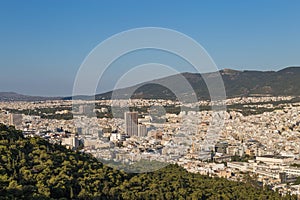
(273,156)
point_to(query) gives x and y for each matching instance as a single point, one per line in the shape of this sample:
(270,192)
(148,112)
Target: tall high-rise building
(131,123)
(15,120)
(142,130)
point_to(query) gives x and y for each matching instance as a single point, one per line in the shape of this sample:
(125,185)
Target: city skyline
(149,99)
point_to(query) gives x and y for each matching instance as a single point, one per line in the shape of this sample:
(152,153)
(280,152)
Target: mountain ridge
(13,96)
(238,83)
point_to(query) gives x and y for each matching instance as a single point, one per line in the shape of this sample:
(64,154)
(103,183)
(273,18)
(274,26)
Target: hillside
(237,83)
(284,82)
(12,96)
(32,168)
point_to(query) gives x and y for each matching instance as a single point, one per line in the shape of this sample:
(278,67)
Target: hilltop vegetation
(32,168)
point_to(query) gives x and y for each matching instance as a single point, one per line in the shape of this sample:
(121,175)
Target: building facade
(131,123)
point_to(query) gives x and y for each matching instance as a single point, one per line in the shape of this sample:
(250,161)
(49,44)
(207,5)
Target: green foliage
(32,168)
(244,158)
(297,182)
(295,165)
(46,113)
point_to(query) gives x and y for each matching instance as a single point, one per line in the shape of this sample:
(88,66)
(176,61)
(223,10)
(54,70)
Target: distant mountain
(237,83)
(284,82)
(12,96)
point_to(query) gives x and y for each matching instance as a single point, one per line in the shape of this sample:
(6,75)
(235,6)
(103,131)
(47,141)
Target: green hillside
(32,168)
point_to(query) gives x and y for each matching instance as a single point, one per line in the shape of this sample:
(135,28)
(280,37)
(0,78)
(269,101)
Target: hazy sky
(43,43)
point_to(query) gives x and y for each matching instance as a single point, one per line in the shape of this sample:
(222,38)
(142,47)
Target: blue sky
(44,42)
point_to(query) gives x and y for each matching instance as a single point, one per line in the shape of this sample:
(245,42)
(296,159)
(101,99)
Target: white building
(71,142)
(275,160)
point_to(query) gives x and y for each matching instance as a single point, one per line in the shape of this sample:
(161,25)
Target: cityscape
(150,100)
(265,145)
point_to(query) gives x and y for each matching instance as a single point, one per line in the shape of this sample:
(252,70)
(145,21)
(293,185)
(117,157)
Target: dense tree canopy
(32,168)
